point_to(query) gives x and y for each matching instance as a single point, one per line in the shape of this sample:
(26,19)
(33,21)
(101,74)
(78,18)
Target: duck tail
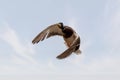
(78,51)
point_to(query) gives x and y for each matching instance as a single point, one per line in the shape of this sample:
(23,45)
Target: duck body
(69,37)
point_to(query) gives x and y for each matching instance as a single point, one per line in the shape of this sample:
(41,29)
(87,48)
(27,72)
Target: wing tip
(33,42)
(59,57)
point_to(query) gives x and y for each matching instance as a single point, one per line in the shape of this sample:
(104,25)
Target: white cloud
(115,29)
(18,60)
(73,23)
(106,65)
(51,65)
(61,77)
(112,26)
(23,51)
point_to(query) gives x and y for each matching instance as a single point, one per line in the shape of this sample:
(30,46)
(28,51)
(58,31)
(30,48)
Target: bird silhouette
(71,38)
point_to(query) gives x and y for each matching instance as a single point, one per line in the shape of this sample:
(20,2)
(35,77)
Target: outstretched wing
(71,49)
(48,32)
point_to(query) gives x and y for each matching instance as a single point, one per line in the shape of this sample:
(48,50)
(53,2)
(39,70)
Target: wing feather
(48,32)
(71,49)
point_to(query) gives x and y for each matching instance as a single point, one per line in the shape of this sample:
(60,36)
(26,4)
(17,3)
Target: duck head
(60,25)
(67,31)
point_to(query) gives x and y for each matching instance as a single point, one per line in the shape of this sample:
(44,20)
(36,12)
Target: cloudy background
(96,21)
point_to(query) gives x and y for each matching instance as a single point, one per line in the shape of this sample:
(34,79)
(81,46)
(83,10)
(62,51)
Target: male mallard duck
(72,39)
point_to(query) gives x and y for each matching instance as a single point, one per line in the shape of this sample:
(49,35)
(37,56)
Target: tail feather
(78,51)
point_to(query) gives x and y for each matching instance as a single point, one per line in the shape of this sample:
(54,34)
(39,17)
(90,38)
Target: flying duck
(71,38)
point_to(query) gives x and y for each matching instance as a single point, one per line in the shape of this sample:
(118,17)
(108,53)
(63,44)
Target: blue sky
(96,21)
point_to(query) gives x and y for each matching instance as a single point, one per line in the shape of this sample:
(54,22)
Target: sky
(96,21)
